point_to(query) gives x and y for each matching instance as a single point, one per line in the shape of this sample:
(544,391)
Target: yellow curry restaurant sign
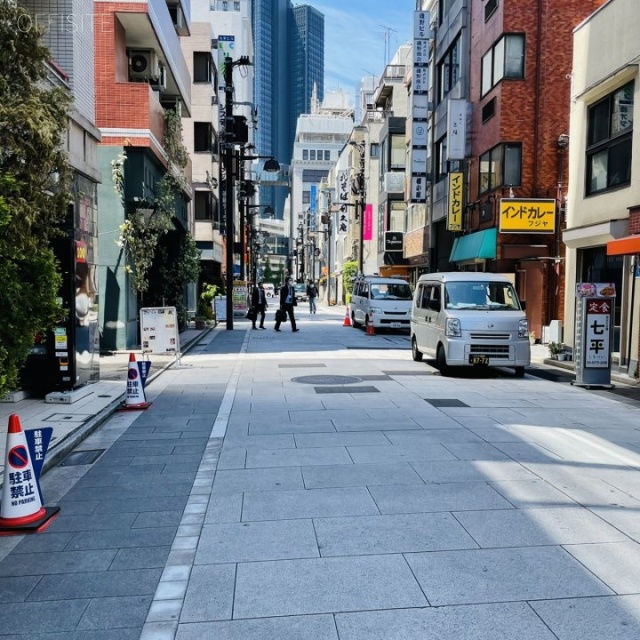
(454,217)
(527,216)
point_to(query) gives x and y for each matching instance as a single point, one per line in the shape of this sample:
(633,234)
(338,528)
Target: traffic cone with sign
(21,510)
(347,318)
(135,399)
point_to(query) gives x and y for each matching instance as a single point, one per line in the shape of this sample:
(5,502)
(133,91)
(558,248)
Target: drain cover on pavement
(347,390)
(445,402)
(327,380)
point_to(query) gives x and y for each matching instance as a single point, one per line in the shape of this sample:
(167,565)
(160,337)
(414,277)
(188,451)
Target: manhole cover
(327,380)
(81,457)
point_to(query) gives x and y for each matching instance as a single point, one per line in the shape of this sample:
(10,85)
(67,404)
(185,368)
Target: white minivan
(466,319)
(384,303)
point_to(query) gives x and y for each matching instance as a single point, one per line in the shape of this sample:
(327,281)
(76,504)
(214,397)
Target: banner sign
(367,231)
(597,333)
(454,215)
(342,191)
(527,216)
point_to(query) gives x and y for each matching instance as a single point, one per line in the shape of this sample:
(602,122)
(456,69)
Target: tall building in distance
(288,63)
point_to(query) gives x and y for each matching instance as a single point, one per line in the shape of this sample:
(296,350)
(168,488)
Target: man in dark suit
(259,303)
(287,302)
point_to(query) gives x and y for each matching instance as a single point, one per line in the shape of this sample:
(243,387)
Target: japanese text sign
(454,217)
(597,333)
(342,190)
(527,216)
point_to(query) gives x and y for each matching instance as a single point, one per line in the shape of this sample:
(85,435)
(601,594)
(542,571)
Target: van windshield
(391,292)
(494,296)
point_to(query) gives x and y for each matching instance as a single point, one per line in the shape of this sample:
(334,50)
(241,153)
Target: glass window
(609,136)
(202,67)
(449,70)
(397,216)
(202,205)
(305,154)
(504,60)
(374,150)
(327,155)
(312,154)
(500,167)
(306,197)
(398,152)
(202,136)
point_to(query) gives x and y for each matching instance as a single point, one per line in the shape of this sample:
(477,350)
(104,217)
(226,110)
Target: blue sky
(358,34)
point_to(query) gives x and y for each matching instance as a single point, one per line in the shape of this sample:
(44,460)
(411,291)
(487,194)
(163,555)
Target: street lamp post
(358,189)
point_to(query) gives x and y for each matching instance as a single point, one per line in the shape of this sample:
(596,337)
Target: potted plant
(555,348)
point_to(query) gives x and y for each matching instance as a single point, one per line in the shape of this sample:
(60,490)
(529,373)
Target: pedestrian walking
(287,302)
(259,303)
(312,294)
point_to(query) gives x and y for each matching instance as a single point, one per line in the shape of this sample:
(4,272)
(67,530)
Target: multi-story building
(320,136)
(498,146)
(603,214)
(289,63)
(69,34)
(219,28)
(140,71)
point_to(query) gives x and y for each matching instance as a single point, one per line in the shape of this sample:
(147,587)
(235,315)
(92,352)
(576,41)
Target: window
(489,9)
(202,205)
(609,133)
(500,167)
(441,159)
(306,197)
(202,67)
(449,70)
(374,150)
(398,152)
(489,110)
(202,136)
(305,154)
(312,154)
(327,155)
(397,216)
(504,60)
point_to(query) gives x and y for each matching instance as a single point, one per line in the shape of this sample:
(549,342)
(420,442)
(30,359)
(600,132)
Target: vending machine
(67,356)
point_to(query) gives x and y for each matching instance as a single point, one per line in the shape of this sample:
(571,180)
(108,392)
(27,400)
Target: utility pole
(229,149)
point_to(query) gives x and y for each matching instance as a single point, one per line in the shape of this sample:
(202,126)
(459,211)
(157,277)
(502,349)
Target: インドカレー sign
(527,216)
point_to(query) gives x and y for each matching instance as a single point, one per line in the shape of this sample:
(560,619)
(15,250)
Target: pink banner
(367,231)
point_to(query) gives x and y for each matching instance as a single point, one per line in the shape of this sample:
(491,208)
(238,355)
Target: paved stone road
(253,503)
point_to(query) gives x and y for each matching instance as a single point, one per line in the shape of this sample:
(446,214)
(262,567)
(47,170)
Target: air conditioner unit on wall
(394,182)
(143,65)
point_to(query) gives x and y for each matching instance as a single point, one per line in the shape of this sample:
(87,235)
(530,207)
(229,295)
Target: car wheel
(441,361)
(519,371)
(354,324)
(416,354)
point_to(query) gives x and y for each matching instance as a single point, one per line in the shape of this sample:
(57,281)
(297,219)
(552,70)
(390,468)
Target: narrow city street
(321,485)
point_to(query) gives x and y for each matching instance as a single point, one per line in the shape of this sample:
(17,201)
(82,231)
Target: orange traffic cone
(21,510)
(370,329)
(136,399)
(347,318)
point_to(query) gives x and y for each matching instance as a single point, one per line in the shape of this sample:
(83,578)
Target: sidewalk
(71,423)
(323,486)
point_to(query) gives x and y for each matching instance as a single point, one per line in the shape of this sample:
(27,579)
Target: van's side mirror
(434,305)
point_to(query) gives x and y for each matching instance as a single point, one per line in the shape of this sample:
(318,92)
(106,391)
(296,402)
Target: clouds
(357,41)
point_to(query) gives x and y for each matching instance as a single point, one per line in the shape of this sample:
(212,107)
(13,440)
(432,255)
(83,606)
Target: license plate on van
(396,325)
(479,360)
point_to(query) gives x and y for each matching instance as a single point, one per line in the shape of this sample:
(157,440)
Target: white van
(469,319)
(269,290)
(384,303)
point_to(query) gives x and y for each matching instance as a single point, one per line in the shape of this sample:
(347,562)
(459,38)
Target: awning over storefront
(629,245)
(480,245)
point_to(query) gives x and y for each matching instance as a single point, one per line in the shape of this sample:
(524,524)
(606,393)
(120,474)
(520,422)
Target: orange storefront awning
(628,245)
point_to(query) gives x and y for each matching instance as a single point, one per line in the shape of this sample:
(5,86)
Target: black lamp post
(358,189)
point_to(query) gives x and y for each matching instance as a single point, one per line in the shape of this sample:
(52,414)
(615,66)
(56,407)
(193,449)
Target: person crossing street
(312,293)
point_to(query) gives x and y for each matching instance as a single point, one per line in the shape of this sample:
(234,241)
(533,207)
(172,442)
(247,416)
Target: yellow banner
(527,216)
(454,217)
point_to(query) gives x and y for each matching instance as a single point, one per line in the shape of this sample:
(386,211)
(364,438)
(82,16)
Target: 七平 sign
(597,333)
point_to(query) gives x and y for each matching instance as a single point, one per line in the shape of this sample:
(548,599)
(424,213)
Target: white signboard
(418,189)
(159,330)
(418,161)
(420,106)
(456,129)
(422,25)
(342,191)
(421,79)
(597,333)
